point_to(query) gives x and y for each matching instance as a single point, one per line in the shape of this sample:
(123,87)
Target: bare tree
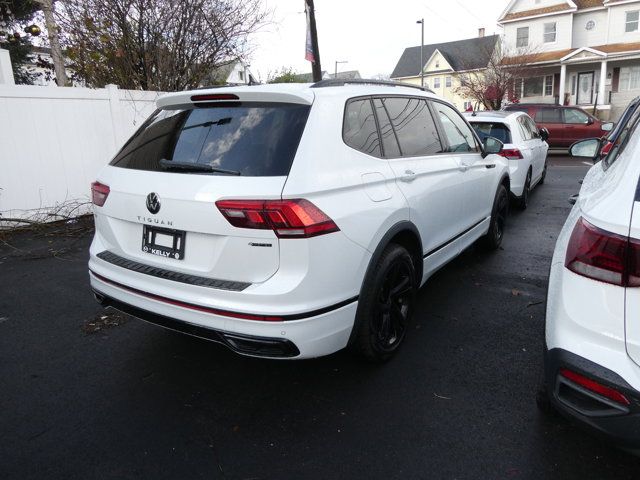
(157,44)
(53,33)
(500,80)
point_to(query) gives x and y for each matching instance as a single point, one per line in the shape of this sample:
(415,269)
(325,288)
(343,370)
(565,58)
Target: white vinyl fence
(54,141)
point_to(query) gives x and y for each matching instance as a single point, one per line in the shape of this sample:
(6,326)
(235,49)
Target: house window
(468,106)
(631,24)
(447,82)
(436,82)
(573,84)
(437,64)
(533,87)
(629,78)
(522,37)
(241,76)
(548,86)
(549,32)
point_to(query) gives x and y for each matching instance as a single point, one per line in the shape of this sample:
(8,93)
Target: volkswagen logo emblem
(153,203)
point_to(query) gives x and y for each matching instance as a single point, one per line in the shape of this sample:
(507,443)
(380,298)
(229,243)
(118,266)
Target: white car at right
(525,148)
(592,338)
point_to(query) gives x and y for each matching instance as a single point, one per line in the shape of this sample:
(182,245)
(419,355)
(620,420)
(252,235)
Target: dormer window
(550,32)
(631,24)
(522,37)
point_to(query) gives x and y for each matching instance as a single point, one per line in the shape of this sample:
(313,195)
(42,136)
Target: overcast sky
(370,34)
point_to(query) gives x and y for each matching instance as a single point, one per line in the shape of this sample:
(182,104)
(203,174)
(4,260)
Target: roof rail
(334,82)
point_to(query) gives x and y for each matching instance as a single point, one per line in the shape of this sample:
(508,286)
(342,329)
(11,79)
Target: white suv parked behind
(292,220)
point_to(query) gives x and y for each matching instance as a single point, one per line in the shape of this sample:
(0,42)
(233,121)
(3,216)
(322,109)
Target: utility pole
(421,22)
(336,70)
(316,68)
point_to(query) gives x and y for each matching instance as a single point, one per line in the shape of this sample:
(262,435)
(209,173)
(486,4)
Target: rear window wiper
(195,167)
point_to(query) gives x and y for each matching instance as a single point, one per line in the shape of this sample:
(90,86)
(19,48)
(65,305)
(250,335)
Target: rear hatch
(196,149)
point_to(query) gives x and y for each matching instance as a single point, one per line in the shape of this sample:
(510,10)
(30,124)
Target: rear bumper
(318,333)
(618,423)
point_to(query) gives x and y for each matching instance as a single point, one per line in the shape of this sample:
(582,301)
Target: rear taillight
(604,151)
(295,218)
(594,386)
(99,193)
(511,154)
(604,256)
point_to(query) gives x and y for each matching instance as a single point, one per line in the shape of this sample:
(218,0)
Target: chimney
(480,32)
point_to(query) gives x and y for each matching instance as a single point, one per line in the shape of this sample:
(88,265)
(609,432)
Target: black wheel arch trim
(384,242)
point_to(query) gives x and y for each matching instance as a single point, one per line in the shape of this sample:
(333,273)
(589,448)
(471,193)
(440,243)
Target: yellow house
(443,63)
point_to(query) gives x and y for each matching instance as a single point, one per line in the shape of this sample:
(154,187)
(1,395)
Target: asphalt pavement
(89,396)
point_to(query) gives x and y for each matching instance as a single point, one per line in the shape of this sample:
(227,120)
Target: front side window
(533,128)
(459,135)
(522,37)
(413,125)
(359,129)
(524,129)
(572,115)
(629,78)
(250,138)
(622,140)
(631,23)
(549,115)
(549,32)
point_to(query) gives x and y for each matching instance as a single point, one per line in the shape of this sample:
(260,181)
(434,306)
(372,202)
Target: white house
(587,51)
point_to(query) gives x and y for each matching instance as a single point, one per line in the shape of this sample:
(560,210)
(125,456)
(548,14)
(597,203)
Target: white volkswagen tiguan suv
(292,221)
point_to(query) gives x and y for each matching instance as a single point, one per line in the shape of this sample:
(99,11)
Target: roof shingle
(466,54)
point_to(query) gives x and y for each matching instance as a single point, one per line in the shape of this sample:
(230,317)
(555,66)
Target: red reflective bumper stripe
(191,306)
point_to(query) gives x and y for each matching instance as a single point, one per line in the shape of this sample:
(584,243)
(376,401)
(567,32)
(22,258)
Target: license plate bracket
(163,242)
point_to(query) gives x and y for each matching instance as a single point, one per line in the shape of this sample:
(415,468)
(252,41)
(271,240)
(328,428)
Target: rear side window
(458,133)
(254,139)
(413,125)
(492,129)
(359,129)
(572,115)
(549,115)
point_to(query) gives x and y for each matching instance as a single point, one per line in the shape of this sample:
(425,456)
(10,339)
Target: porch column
(603,79)
(563,81)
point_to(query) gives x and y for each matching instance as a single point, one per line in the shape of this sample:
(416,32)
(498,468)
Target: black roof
(466,54)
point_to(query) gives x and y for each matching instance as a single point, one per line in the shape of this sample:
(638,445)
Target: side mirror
(491,145)
(544,134)
(607,127)
(590,121)
(588,148)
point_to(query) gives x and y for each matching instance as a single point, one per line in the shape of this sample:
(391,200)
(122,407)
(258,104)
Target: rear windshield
(250,139)
(495,130)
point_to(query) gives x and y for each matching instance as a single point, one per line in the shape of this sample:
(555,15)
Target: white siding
(617,24)
(536,32)
(590,38)
(55,140)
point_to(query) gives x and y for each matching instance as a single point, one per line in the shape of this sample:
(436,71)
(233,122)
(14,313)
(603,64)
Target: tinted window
(533,128)
(458,133)
(549,115)
(495,130)
(623,138)
(255,139)
(414,126)
(389,141)
(572,115)
(359,129)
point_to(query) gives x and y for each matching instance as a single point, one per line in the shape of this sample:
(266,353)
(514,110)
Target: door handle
(409,176)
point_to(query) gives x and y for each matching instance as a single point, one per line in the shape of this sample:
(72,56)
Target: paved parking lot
(80,399)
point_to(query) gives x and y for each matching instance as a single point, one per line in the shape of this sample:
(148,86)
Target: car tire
(385,305)
(493,238)
(544,174)
(523,201)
